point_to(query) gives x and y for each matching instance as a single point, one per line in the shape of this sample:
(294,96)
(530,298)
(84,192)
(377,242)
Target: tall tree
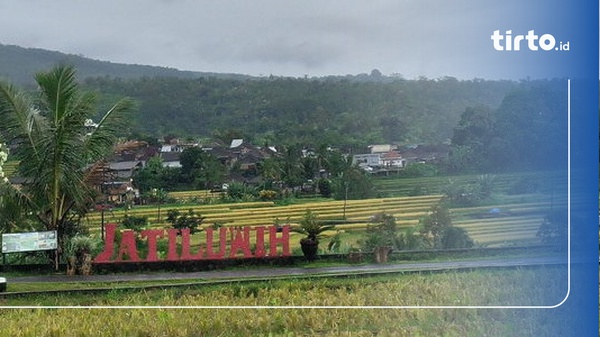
(531,127)
(56,145)
(471,139)
(201,168)
(291,166)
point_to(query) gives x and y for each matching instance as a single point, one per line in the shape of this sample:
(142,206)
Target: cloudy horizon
(267,37)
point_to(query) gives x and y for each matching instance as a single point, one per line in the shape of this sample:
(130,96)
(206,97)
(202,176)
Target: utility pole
(345,198)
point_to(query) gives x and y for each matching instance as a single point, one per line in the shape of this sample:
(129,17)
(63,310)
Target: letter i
(508,39)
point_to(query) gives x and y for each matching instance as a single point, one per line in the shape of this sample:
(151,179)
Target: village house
(382,157)
(116,184)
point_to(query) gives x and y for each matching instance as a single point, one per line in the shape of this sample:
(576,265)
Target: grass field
(537,286)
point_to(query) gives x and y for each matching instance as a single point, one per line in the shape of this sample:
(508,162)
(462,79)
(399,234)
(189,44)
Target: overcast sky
(431,38)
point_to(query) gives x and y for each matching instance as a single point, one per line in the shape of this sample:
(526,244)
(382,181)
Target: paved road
(268,273)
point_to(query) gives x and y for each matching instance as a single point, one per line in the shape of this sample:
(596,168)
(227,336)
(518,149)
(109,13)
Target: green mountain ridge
(18,65)
(351,110)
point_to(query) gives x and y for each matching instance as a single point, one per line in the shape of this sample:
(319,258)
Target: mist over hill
(19,65)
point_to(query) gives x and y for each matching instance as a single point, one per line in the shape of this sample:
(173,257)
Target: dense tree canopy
(527,131)
(288,111)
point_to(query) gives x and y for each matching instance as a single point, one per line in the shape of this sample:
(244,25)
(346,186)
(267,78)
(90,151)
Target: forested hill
(346,110)
(333,110)
(18,65)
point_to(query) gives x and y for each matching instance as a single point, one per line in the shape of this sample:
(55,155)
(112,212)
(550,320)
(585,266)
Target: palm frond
(19,122)
(14,207)
(58,89)
(102,139)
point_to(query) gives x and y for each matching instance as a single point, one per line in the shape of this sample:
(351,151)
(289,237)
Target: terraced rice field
(185,196)
(523,200)
(516,222)
(407,210)
(507,183)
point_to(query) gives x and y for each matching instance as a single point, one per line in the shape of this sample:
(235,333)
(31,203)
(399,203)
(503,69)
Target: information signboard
(28,242)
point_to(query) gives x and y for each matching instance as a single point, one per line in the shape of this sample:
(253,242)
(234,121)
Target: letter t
(496,37)
(531,37)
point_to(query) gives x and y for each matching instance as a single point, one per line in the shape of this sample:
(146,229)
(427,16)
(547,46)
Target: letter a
(241,241)
(128,247)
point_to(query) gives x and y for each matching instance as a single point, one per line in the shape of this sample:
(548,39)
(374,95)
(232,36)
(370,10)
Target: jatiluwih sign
(244,242)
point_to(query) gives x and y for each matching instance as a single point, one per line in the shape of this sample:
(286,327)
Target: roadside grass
(78,285)
(438,289)
(325,261)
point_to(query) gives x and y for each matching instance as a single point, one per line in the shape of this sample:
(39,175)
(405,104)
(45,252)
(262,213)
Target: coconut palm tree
(57,143)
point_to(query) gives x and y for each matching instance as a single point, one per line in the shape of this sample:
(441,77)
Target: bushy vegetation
(237,191)
(79,252)
(435,231)
(185,220)
(135,223)
(527,131)
(460,194)
(554,227)
(385,232)
(312,229)
(438,233)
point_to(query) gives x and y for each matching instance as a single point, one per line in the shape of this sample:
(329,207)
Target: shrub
(485,185)
(267,195)
(135,223)
(311,227)
(554,227)
(383,232)
(455,237)
(438,233)
(79,252)
(70,229)
(237,191)
(190,220)
(465,194)
(82,244)
(409,239)
(415,170)
(335,243)
(324,187)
